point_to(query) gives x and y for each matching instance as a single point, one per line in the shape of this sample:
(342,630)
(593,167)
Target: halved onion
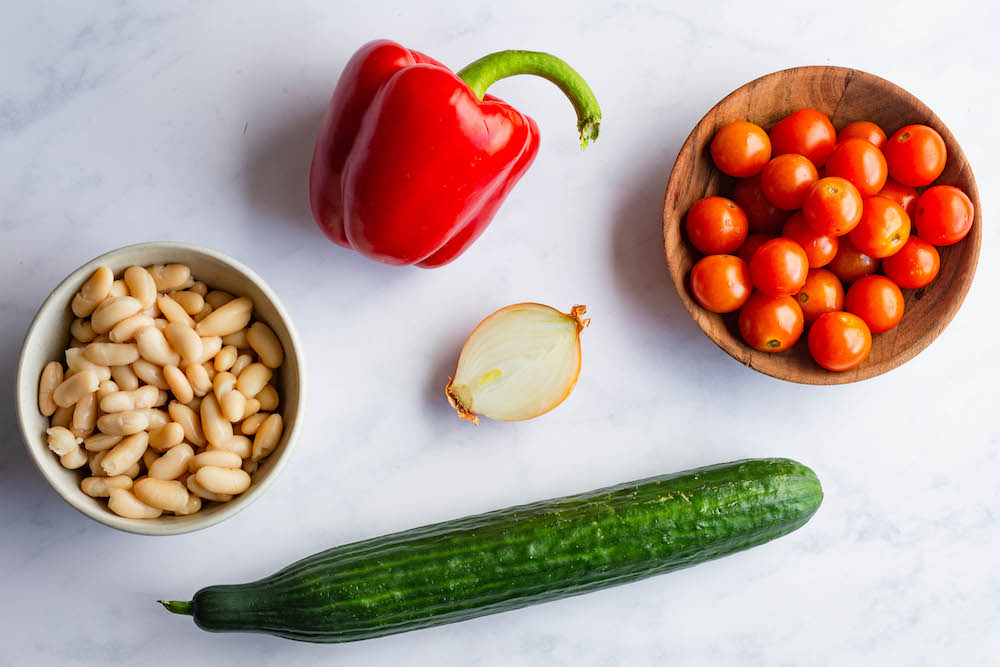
(520,362)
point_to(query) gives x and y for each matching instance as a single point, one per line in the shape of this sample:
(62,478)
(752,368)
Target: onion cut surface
(519,363)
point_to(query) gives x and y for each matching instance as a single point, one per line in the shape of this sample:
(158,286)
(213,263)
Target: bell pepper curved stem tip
(486,71)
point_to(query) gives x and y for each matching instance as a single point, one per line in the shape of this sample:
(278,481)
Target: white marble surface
(123,122)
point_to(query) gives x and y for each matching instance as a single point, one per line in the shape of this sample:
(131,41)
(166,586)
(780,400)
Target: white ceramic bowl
(48,337)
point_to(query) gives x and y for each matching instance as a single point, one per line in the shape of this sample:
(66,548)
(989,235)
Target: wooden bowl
(845,95)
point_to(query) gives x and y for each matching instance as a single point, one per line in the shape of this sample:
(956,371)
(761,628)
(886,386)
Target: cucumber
(512,558)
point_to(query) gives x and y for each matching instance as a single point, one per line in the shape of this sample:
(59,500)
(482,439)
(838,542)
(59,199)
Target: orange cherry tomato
(833,206)
(883,230)
(878,301)
(849,263)
(916,155)
(839,341)
(771,323)
(863,129)
(822,293)
(820,248)
(750,246)
(779,267)
(721,283)
(716,225)
(762,214)
(903,195)
(915,265)
(861,163)
(786,180)
(807,132)
(741,149)
(944,215)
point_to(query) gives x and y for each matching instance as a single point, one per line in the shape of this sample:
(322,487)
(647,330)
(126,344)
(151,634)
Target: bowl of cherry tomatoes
(822,225)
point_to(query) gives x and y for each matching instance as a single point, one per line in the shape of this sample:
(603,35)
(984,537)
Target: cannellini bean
(218,430)
(100,487)
(226,357)
(76,361)
(93,292)
(74,343)
(220,458)
(190,422)
(183,339)
(157,418)
(153,347)
(172,464)
(218,298)
(268,397)
(252,408)
(267,437)
(125,330)
(191,303)
(140,285)
(94,461)
(194,404)
(61,440)
(226,319)
(199,288)
(82,331)
(112,311)
(125,454)
(173,311)
(197,376)
(210,346)
(197,489)
(237,340)
(62,417)
(178,384)
(111,354)
(193,505)
(238,444)
(125,504)
(233,404)
(75,387)
(265,343)
(253,378)
(123,423)
(222,384)
(161,323)
(224,481)
(150,373)
(52,377)
(124,378)
(118,288)
(77,458)
(100,442)
(166,437)
(205,311)
(137,399)
(170,276)
(85,415)
(133,472)
(105,388)
(149,458)
(252,423)
(250,466)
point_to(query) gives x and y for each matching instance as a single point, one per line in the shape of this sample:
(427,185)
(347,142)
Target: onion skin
(576,313)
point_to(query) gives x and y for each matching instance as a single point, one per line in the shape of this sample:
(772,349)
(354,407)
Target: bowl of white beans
(160,388)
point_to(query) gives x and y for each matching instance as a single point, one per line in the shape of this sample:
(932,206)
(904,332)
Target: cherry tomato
(820,248)
(721,283)
(779,267)
(822,293)
(762,214)
(861,163)
(786,180)
(807,132)
(716,225)
(878,301)
(862,129)
(741,149)
(750,246)
(849,263)
(833,206)
(770,323)
(916,155)
(944,215)
(839,341)
(903,195)
(883,230)
(915,265)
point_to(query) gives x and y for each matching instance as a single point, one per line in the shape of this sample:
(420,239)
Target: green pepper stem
(176,606)
(486,71)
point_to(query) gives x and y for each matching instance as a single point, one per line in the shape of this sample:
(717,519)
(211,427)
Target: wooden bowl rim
(736,348)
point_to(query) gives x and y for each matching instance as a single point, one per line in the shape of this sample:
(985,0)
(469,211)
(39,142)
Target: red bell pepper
(413,160)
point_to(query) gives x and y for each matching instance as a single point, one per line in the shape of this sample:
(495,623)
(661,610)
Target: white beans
(61,440)
(253,378)
(233,404)
(124,378)
(189,421)
(226,319)
(150,373)
(191,302)
(173,311)
(224,481)
(222,384)
(172,464)
(52,377)
(82,331)
(166,437)
(218,298)
(118,288)
(268,398)
(263,341)
(74,459)
(85,415)
(111,354)
(125,330)
(252,408)
(62,416)
(100,442)
(199,288)
(252,423)
(123,423)
(238,444)
(170,276)
(125,454)
(153,347)
(100,487)
(210,347)
(237,340)
(141,285)
(183,339)
(201,384)
(178,383)
(197,489)
(226,357)
(105,388)
(267,437)
(75,387)
(93,292)
(193,505)
(220,458)
(76,361)
(250,466)
(218,430)
(205,311)
(157,418)
(242,362)
(137,399)
(161,493)
(124,503)
(112,311)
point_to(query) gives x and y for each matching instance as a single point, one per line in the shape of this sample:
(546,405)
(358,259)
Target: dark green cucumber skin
(524,555)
